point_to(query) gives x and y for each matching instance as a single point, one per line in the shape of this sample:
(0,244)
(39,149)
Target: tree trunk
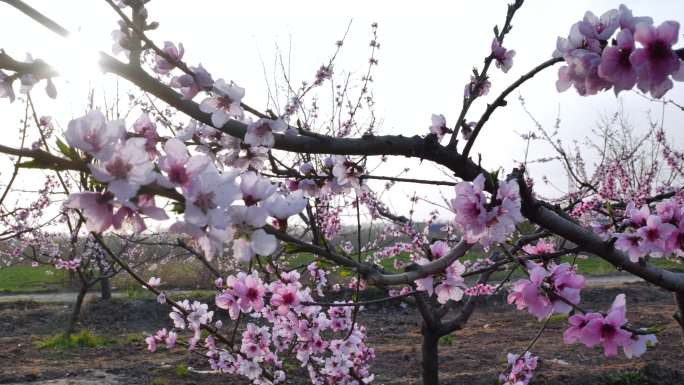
(76,312)
(105,289)
(430,361)
(679,313)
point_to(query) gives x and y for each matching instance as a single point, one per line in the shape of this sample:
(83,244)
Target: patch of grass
(83,339)
(134,291)
(627,378)
(447,340)
(159,381)
(182,370)
(133,339)
(193,295)
(25,278)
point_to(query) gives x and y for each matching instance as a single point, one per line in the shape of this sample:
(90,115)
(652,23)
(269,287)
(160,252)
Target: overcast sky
(427,52)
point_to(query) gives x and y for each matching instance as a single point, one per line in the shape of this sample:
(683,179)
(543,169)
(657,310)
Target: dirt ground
(474,355)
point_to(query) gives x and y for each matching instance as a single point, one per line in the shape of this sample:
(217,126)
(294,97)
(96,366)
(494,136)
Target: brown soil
(474,355)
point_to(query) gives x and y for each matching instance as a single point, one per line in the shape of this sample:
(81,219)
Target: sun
(76,59)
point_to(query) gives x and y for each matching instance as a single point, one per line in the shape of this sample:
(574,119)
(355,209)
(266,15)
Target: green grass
(591,266)
(447,340)
(627,378)
(24,278)
(83,339)
(182,370)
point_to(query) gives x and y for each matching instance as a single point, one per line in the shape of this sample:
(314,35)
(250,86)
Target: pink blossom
(656,60)
(162,66)
(608,331)
(190,86)
(638,344)
(285,297)
(542,247)
(282,207)
(144,206)
(533,293)
(6,90)
(249,290)
(198,315)
(581,72)
(212,193)
(438,126)
(181,168)
(249,238)
(655,236)
(260,133)
(255,188)
(575,40)
(470,87)
(615,65)
(227,301)
(225,103)
(346,172)
(126,170)
(148,129)
(601,28)
(439,249)
(576,331)
(450,289)
(521,369)
(628,21)
(98,209)
(469,207)
(94,135)
(503,57)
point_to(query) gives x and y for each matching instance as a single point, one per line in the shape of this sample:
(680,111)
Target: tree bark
(105,289)
(76,312)
(679,312)
(430,359)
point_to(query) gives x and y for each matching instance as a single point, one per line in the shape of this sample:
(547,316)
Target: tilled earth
(474,355)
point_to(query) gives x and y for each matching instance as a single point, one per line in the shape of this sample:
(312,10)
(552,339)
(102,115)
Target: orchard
(285,204)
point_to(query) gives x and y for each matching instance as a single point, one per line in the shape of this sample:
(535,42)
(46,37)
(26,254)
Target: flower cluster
(541,247)
(608,330)
(657,234)
(594,62)
(480,289)
(127,162)
(521,369)
(485,223)
(290,325)
(161,337)
(452,286)
(549,289)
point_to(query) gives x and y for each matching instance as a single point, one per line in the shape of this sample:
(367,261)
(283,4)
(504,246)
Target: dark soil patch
(473,356)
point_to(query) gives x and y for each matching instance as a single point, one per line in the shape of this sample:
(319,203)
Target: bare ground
(474,355)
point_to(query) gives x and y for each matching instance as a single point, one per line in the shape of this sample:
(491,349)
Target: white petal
(263,243)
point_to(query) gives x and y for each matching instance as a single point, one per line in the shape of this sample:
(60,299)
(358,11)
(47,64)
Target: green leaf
(32,164)
(291,248)
(68,151)
(178,207)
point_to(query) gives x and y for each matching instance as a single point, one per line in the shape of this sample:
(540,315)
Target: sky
(426,56)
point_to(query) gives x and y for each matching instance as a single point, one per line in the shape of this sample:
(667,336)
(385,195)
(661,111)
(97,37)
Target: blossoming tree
(250,189)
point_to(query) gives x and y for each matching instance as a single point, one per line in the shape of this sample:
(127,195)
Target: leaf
(32,164)
(68,151)
(178,207)
(291,248)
